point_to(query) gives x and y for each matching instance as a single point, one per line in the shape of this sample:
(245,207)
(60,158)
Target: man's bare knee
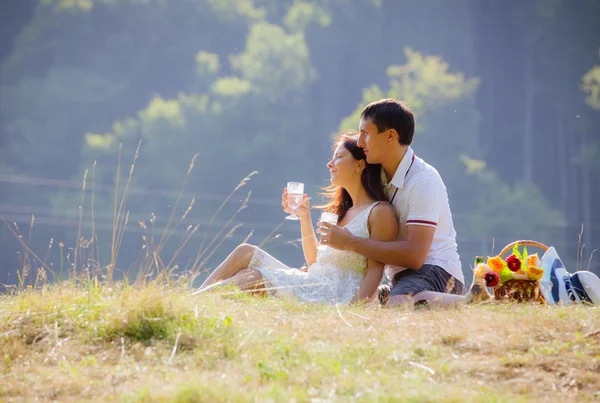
(439,299)
(423,295)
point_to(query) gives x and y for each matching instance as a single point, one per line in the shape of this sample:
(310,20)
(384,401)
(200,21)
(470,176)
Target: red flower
(513,263)
(491,279)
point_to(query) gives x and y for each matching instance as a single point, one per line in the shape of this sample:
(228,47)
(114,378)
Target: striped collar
(402,171)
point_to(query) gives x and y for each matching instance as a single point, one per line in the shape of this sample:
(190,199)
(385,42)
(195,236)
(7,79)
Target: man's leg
(405,300)
(439,298)
(430,284)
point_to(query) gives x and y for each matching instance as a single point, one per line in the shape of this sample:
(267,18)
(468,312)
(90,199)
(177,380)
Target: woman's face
(344,170)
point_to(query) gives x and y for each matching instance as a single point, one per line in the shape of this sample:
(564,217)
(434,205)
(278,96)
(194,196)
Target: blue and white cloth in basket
(560,287)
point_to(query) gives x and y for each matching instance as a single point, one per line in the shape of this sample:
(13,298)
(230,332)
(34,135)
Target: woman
(356,195)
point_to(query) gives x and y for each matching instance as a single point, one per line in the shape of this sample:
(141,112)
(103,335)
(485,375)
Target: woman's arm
(309,238)
(383,226)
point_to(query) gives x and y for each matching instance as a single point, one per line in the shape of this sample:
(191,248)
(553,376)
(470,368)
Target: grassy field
(84,340)
(153,343)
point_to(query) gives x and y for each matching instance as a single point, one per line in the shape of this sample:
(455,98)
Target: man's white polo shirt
(419,197)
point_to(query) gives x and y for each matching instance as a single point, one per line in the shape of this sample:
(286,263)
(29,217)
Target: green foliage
(261,84)
(590,84)
(232,10)
(207,63)
(437,98)
(516,252)
(505,211)
(301,14)
(506,275)
(147,325)
(277,64)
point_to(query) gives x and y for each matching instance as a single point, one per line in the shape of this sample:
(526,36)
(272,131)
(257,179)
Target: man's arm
(424,200)
(410,253)
(422,216)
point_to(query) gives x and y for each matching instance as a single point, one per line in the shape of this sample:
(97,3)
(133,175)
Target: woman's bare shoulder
(383,223)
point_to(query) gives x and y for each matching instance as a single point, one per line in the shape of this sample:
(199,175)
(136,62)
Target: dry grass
(156,343)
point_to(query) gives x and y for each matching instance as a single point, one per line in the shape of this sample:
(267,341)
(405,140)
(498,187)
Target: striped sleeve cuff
(422,222)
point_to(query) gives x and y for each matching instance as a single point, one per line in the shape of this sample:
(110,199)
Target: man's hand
(303,268)
(334,236)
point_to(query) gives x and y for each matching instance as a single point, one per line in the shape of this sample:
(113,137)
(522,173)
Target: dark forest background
(506,93)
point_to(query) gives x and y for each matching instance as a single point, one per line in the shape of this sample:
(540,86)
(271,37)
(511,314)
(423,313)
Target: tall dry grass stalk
(120,221)
(242,183)
(78,239)
(579,249)
(25,266)
(198,263)
(94,240)
(164,237)
(113,251)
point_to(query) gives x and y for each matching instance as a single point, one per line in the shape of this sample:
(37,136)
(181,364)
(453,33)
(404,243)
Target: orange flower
(533,260)
(534,272)
(496,263)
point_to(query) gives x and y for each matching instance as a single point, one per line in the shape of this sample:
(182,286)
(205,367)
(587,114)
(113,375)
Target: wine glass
(295,194)
(330,218)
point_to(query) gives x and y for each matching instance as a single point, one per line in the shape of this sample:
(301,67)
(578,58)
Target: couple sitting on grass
(394,217)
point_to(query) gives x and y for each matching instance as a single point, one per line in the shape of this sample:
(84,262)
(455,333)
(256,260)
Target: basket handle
(511,245)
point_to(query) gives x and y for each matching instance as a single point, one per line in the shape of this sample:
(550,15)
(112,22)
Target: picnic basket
(519,290)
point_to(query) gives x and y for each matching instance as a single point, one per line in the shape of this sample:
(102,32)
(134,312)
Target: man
(423,264)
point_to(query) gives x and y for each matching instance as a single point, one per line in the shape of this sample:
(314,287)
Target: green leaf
(525,256)
(506,275)
(516,252)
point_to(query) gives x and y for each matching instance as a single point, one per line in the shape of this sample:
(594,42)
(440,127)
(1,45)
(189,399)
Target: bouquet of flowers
(518,266)
(515,277)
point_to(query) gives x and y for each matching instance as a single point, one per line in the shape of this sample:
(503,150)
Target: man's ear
(392,135)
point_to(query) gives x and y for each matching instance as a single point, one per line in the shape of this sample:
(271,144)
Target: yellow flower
(534,272)
(496,263)
(533,260)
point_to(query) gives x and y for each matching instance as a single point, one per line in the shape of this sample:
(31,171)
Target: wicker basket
(519,290)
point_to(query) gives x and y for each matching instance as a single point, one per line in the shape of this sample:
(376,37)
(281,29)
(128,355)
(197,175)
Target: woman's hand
(303,211)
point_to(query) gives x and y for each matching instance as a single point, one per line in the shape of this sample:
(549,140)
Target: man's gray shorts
(427,278)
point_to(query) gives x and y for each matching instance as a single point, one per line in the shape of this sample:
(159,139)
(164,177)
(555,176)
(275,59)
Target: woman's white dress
(335,277)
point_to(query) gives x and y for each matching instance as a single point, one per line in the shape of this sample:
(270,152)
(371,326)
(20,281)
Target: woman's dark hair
(339,199)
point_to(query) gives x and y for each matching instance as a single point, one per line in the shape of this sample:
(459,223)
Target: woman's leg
(246,280)
(237,260)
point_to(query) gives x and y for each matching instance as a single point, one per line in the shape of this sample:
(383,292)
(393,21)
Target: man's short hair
(390,113)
